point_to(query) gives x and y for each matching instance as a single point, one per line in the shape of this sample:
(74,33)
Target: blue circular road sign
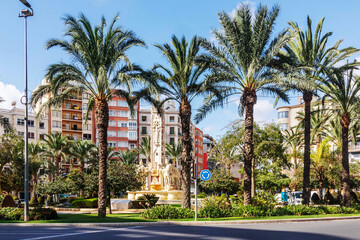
(205,175)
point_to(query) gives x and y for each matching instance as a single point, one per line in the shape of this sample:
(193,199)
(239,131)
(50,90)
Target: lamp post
(26,13)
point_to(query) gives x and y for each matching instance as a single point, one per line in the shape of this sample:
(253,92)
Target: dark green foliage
(8,201)
(315,199)
(167,212)
(148,200)
(86,203)
(220,181)
(41,200)
(35,214)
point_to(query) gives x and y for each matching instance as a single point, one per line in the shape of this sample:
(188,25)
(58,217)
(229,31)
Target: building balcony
(72,129)
(354,148)
(73,118)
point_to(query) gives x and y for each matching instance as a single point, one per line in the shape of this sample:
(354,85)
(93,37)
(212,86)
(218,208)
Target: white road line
(80,233)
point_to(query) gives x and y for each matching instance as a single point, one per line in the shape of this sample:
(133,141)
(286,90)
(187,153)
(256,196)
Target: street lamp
(26,13)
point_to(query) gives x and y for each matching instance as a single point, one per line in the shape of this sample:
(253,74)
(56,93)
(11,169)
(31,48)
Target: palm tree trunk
(345,176)
(57,166)
(102,119)
(248,100)
(307,96)
(185,115)
(253,188)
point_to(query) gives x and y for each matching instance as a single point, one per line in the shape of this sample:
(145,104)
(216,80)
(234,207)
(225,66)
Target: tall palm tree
(174,151)
(128,157)
(99,67)
(306,56)
(341,89)
(4,122)
(56,146)
(145,148)
(293,141)
(244,51)
(36,154)
(82,150)
(182,82)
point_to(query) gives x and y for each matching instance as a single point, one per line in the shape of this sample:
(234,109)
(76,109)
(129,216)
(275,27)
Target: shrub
(315,199)
(12,213)
(8,201)
(216,201)
(33,202)
(63,200)
(251,211)
(17,214)
(148,200)
(167,212)
(264,199)
(86,203)
(354,197)
(214,212)
(43,214)
(332,198)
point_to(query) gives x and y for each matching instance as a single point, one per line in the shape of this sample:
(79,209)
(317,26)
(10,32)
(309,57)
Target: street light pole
(26,13)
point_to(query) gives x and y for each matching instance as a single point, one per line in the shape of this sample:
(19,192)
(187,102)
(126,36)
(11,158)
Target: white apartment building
(15,117)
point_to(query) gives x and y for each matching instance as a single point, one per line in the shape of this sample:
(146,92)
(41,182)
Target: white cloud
(263,111)
(250,3)
(9,93)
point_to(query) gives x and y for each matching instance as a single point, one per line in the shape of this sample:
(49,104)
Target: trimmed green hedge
(167,212)
(17,214)
(85,203)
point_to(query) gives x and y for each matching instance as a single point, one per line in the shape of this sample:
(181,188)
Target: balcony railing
(354,148)
(72,118)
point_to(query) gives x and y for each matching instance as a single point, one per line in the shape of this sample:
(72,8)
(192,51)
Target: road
(329,230)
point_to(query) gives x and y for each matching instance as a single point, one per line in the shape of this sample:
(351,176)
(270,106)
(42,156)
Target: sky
(154,21)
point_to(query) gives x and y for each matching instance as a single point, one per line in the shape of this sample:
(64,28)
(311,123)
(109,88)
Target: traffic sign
(205,175)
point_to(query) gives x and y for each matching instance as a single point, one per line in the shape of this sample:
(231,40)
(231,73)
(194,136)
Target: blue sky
(154,21)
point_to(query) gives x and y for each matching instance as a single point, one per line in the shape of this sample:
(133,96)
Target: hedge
(86,203)
(17,214)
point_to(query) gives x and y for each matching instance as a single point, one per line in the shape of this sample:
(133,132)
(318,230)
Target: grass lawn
(92,218)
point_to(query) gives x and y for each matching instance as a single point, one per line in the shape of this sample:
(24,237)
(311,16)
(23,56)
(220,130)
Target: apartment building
(15,117)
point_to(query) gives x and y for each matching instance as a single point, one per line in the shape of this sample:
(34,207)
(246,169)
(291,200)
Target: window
(56,124)
(87,136)
(111,144)
(112,113)
(42,136)
(123,144)
(172,140)
(84,106)
(87,127)
(132,125)
(122,124)
(5,120)
(75,136)
(123,113)
(179,132)
(143,118)
(178,119)
(41,125)
(132,145)
(283,114)
(89,116)
(111,133)
(172,130)
(85,96)
(56,113)
(122,103)
(20,122)
(31,135)
(112,103)
(21,134)
(122,134)
(112,123)
(132,135)
(283,126)
(143,130)
(172,119)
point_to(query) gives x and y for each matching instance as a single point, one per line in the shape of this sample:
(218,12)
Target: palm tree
(293,141)
(82,150)
(174,151)
(182,82)
(99,67)
(128,157)
(341,89)
(36,154)
(4,122)
(244,51)
(56,146)
(306,57)
(145,149)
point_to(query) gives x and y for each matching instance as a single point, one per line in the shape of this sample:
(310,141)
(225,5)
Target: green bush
(63,200)
(167,212)
(17,214)
(148,200)
(43,214)
(86,203)
(10,213)
(315,199)
(214,212)
(264,199)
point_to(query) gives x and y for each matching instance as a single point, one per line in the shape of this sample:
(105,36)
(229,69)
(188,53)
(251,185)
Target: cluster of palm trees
(245,60)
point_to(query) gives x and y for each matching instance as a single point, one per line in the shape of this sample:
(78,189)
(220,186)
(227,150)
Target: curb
(129,224)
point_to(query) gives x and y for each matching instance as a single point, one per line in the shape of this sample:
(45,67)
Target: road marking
(78,233)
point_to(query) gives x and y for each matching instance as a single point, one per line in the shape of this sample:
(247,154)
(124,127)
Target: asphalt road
(329,230)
